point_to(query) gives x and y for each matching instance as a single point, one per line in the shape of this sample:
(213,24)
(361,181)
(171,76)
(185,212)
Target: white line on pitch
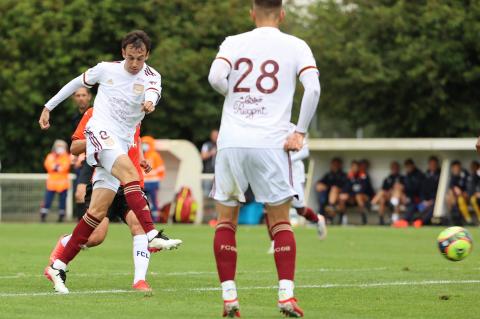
(323,286)
(196,273)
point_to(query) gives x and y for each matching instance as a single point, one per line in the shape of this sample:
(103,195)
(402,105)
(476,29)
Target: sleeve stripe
(152,89)
(226,60)
(306,68)
(85,81)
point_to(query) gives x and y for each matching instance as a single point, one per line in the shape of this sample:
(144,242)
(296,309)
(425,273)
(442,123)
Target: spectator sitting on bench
(413,187)
(392,193)
(457,195)
(428,194)
(473,187)
(354,193)
(329,188)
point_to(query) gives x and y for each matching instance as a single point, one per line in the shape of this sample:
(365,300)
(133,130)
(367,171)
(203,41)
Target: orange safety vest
(58,167)
(155,160)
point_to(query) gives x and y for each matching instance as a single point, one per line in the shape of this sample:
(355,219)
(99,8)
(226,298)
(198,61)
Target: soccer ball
(455,243)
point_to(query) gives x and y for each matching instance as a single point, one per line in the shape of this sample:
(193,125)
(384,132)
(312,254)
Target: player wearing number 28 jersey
(256,72)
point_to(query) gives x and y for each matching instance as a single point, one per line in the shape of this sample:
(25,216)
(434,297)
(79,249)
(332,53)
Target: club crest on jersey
(138,89)
(110,82)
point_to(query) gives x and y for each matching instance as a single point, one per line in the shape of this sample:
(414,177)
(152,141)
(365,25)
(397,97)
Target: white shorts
(103,179)
(267,171)
(103,147)
(299,187)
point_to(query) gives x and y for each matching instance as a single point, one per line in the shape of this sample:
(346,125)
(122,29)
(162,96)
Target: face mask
(60,150)
(145,147)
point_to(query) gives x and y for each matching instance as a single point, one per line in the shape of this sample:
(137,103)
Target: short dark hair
(268,4)
(137,38)
(336,160)
(456,163)
(409,161)
(434,159)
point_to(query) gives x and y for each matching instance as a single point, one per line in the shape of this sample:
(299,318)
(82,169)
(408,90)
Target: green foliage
(407,68)
(398,68)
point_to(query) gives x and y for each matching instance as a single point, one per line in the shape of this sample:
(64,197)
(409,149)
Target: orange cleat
(418,223)
(56,252)
(290,309)
(231,308)
(402,223)
(142,285)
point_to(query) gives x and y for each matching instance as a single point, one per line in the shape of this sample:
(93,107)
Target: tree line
(393,68)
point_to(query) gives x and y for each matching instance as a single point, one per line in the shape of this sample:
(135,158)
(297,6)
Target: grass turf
(358,272)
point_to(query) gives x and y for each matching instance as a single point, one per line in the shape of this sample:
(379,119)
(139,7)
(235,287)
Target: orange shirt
(155,160)
(133,152)
(58,167)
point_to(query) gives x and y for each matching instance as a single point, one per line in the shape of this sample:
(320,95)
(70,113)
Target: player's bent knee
(229,203)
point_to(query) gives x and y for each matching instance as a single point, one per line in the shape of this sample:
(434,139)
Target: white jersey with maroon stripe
(264,65)
(118,104)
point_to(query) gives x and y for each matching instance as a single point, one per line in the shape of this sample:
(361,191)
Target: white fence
(21,196)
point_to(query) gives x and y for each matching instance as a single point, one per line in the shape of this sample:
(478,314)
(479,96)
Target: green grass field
(358,272)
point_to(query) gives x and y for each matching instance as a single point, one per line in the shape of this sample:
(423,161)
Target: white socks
(395,217)
(65,240)
(285,289)
(394,201)
(152,234)
(58,264)
(141,257)
(229,290)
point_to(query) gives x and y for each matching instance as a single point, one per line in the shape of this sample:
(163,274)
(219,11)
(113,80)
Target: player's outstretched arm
(218,76)
(62,95)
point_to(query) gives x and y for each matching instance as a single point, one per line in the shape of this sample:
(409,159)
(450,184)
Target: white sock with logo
(285,289)
(65,240)
(141,257)
(229,290)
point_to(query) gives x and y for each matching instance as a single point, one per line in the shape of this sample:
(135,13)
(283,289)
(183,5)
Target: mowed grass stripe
(203,289)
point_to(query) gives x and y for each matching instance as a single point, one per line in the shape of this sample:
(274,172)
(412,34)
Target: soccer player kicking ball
(127,91)
(256,72)
(117,211)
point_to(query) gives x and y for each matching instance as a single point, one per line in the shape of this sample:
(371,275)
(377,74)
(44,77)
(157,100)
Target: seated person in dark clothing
(457,194)
(428,194)
(354,193)
(364,170)
(392,192)
(473,187)
(329,187)
(413,187)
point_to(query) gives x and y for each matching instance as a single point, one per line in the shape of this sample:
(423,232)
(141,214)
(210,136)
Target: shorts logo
(108,140)
(228,248)
(138,89)
(282,249)
(110,82)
